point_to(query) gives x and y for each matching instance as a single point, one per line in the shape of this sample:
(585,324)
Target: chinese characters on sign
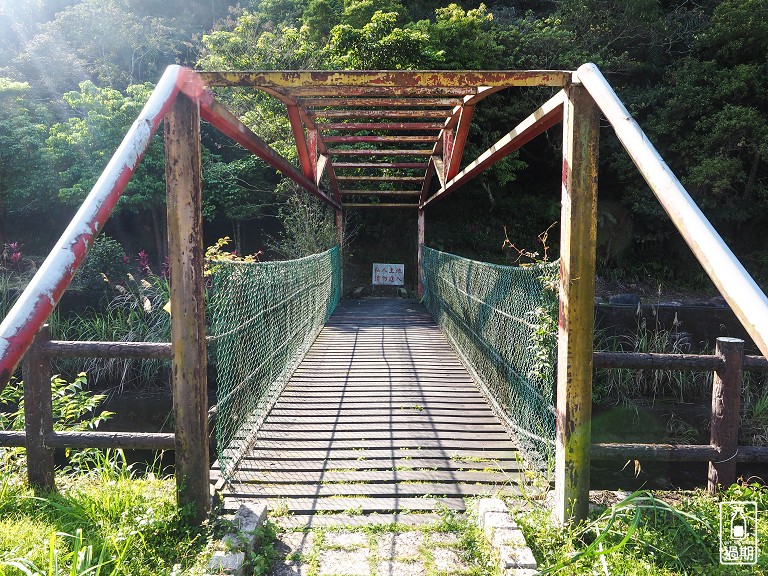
(388,274)
(738,533)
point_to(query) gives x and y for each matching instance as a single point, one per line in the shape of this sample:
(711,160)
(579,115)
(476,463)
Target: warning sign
(388,274)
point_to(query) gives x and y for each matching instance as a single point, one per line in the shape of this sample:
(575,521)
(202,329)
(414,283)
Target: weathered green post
(185,249)
(578,235)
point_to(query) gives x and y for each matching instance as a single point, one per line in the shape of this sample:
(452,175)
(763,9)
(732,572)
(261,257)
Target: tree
(22,138)
(80,148)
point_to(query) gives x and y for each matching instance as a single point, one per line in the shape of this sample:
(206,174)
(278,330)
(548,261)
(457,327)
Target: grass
(104,522)
(646,534)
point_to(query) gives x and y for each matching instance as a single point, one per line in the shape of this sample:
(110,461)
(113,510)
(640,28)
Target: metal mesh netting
(499,319)
(263,318)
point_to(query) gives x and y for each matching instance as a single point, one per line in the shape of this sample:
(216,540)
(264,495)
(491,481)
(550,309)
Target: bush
(105,265)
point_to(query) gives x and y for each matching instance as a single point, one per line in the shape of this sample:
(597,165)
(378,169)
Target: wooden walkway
(380,418)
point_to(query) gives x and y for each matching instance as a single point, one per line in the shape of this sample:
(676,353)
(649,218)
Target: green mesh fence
(263,318)
(502,322)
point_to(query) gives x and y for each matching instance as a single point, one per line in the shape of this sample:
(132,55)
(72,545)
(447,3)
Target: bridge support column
(420,245)
(185,249)
(578,236)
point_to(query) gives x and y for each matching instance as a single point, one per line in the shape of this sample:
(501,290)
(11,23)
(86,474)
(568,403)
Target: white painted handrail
(739,289)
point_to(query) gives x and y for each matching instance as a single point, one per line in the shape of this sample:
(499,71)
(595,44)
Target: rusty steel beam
(301,143)
(550,113)
(380,192)
(385,205)
(376,91)
(377,113)
(439,170)
(482,94)
(453,162)
(322,164)
(446,102)
(312,148)
(368,152)
(431,169)
(381,178)
(403,165)
(341,79)
(226,122)
(375,139)
(399,126)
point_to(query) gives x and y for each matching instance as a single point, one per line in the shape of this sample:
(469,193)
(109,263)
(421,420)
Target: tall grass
(614,386)
(135,314)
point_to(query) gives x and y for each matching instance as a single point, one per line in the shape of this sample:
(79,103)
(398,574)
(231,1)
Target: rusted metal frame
(128,440)
(226,122)
(312,138)
(440,171)
(322,164)
(447,103)
(297,128)
(726,408)
(42,294)
(399,126)
(380,192)
(343,81)
(453,163)
(79,349)
(380,179)
(431,168)
(38,414)
(380,205)
(402,165)
(482,93)
(351,114)
(449,138)
(375,139)
(301,93)
(183,176)
(380,152)
(549,114)
(739,289)
(578,239)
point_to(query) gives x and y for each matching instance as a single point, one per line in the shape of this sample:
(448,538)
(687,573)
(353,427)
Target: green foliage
(106,521)
(308,227)
(74,409)
(104,266)
(643,535)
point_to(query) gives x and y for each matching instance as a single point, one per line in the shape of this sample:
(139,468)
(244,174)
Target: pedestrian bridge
(379,413)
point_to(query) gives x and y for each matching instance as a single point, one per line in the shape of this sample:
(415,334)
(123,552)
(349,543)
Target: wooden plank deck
(380,418)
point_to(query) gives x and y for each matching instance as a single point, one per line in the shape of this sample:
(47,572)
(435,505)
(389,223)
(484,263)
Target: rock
(624,299)
(230,563)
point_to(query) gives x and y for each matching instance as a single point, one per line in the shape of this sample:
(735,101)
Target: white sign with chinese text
(388,274)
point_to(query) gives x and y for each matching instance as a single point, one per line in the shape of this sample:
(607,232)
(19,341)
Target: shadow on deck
(380,418)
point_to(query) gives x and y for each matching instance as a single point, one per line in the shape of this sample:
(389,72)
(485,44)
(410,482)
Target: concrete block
(497,520)
(250,517)
(516,557)
(229,563)
(508,537)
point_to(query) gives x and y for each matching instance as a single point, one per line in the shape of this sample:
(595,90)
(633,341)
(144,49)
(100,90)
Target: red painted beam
(462,131)
(405,126)
(373,139)
(368,152)
(301,143)
(382,102)
(378,114)
(408,165)
(540,121)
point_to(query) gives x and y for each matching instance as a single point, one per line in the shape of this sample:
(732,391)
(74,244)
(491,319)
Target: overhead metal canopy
(385,134)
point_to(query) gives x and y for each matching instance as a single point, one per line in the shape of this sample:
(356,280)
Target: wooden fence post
(185,249)
(578,237)
(726,404)
(38,414)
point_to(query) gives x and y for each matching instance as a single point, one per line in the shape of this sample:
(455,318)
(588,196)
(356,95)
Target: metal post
(38,414)
(185,248)
(340,226)
(578,234)
(726,404)
(420,242)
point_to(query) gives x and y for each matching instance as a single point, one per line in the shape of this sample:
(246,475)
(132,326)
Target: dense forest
(75,73)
